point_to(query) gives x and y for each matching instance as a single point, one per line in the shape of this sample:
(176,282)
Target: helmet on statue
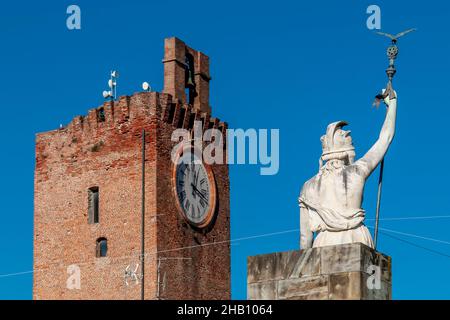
(337,143)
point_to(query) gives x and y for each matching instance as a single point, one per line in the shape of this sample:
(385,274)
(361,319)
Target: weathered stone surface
(262,290)
(302,286)
(382,293)
(282,265)
(335,272)
(346,286)
(371,257)
(319,295)
(342,258)
(265,267)
(307,264)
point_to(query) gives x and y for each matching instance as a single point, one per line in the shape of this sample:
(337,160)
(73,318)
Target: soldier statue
(331,201)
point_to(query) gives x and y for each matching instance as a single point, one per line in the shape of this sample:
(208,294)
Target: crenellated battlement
(140,106)
(117,114)
(184,100)
(112,128)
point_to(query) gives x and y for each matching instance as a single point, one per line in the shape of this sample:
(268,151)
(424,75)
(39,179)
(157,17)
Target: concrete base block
(343,272)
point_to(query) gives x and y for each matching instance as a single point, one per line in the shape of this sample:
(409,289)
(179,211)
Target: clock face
(195,190)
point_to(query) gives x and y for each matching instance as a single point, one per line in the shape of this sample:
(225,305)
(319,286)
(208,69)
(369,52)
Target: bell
(190,83)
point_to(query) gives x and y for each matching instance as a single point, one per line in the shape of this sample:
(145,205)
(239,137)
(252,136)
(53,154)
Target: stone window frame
(101,247)
(93,205)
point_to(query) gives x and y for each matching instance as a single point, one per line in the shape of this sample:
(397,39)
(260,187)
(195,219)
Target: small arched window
(101,114)
(101,248)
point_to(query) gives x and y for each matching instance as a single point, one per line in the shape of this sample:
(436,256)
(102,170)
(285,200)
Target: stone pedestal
(349,271)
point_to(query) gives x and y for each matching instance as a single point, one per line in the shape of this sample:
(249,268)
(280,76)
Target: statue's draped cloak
(336,227)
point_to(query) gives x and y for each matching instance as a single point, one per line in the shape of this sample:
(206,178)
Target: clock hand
(196,176)
(192,170)
(199,193)
(202,197)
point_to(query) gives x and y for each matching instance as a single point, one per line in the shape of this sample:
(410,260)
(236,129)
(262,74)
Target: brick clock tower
(99,205)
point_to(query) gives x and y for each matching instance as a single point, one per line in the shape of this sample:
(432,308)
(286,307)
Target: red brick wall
(175,51)
(107,154)
(207,274)
(88,153)
(69,161)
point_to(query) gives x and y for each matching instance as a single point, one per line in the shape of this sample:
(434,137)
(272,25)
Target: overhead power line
(415,244)
(385,231)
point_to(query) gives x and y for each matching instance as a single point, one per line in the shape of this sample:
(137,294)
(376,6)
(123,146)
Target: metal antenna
(392,53)
(112,84)
(146,87)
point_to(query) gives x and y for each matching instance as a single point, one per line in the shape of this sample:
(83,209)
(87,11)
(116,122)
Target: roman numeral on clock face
(193,190)
(187,205)
(182,195)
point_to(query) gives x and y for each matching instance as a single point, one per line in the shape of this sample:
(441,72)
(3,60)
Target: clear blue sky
(295,65)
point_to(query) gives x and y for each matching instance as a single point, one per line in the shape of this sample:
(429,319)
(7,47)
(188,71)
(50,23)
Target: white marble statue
(330,202)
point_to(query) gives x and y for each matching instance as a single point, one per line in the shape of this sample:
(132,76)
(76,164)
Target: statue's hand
(390,96)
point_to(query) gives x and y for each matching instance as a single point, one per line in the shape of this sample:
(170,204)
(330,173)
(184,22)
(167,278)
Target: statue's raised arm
(331,201)
(373,157)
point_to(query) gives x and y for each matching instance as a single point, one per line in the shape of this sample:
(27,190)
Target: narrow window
(101,115)
(101,248)
(93,206)
(190,90)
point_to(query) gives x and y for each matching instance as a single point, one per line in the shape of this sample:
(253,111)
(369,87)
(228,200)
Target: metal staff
(392,53)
